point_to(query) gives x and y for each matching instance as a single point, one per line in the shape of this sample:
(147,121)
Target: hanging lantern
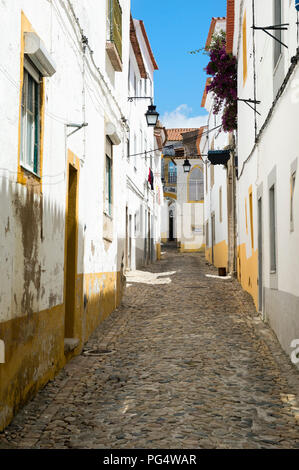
(152,116)
(187,166)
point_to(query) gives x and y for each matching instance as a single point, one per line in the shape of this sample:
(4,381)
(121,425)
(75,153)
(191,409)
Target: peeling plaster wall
(33,215)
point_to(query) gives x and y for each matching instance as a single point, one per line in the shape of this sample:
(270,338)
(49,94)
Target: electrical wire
(192,139)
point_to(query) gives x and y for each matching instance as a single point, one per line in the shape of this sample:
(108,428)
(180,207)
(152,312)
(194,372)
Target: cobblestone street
(183,364)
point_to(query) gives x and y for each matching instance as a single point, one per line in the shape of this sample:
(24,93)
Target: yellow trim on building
(26,177)
(171,195)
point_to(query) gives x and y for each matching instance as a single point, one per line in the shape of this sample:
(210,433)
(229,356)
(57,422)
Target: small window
(30,119)
(172,173)
(272,228)
(196,185)
(293,182)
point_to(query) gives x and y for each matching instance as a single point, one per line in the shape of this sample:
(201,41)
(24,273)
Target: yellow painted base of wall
(158,251)
(34,344)
(34,353)
(248,272)
(220,255)
(191,248)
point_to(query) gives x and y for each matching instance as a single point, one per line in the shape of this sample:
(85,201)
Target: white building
(268,142)
(143,204)
(64,185)
(216,180)
(183,209)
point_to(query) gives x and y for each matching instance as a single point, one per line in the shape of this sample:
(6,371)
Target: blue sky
(174,28)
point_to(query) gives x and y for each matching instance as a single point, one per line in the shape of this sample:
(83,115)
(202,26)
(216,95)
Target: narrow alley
(185,362)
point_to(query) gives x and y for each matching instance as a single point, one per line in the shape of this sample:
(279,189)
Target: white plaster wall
(138,191)
(277,147)
(63,104)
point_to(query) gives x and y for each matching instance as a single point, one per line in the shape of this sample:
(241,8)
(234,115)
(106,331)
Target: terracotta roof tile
(148,45)
(136,49)
(175,134)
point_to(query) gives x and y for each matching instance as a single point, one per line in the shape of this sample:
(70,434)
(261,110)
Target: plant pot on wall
(219,157)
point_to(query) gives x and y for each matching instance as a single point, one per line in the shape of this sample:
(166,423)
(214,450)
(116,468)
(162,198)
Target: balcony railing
(114,33)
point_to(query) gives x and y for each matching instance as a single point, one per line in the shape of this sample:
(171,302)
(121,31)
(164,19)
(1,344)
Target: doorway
(213,238)
(127,238)
(171,225)
(148,237)
(260,254)
(71,252)
(130,243)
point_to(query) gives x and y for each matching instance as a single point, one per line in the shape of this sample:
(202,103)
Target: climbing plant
(223,70)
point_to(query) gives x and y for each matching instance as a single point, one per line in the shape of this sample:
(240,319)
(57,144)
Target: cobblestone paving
(191,365)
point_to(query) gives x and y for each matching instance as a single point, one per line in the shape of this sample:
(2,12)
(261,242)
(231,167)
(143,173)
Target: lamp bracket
(77,127)
(249,102)
(278,27)
(132,98)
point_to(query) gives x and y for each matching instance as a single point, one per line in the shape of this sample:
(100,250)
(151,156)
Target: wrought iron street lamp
(151,114)
(187,166)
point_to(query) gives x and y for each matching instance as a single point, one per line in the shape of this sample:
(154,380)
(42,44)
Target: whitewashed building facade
(65,127)
(268,142)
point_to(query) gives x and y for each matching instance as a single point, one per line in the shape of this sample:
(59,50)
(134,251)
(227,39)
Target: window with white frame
(30,118)
(196,185)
